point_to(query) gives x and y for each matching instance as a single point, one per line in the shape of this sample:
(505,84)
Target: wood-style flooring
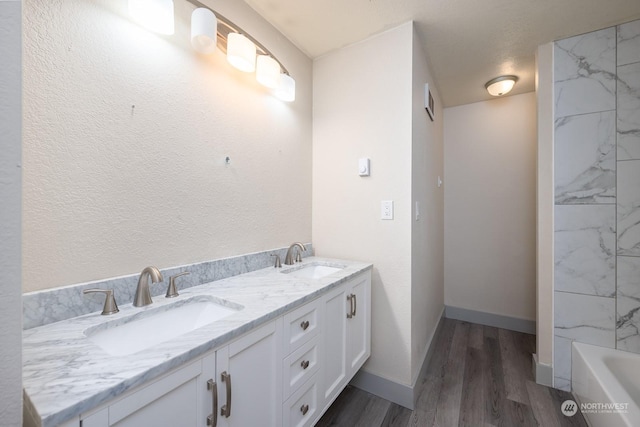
(478,376)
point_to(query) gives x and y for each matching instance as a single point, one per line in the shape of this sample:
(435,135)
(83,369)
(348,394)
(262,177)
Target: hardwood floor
(478,376)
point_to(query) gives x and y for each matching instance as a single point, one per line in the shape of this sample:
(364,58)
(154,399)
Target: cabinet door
(335,341)
(178,399)
(251,392)
(359,325)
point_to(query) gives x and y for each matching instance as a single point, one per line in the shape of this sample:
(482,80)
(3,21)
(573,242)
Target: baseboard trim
(491,319)
(542,372)
(401,394)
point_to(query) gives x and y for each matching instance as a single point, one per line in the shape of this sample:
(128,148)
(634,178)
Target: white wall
(545,202)
(125,135)
(490,222)
(362,108)
(427,232)
(10,189)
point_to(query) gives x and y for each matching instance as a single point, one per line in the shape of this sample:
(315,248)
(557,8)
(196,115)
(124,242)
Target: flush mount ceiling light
(209,30)
(154,15)
(500,85)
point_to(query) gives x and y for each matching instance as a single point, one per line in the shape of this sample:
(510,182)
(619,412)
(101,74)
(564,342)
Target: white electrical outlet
(386,209)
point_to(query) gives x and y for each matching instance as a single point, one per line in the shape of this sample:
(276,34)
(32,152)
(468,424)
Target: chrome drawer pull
(304,364)
(355,304)
(212,420)
(304,325)
(304,409)
(226,409)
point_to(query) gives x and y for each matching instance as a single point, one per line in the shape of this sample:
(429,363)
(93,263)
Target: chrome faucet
(288,260)
(143,296)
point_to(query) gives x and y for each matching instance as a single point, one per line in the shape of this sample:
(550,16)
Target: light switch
(363,167)
(386,208)
(417,211)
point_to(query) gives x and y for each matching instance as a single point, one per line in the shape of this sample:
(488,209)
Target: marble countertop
(65,374)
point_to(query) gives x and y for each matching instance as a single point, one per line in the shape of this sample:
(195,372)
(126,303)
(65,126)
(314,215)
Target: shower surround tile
(562,363)
(629,208)
(585,158)
(629,43)
(585,73)
(629,111)
(585,318)
(628,307)
(585,246)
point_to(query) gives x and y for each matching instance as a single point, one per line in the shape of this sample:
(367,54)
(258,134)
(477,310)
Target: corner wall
(125,136)
(543,358)
(427,222)
(362,108)
(10,195)
(490,205)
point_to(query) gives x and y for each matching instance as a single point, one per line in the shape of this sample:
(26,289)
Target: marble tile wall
(597,193)
(628,188)
(52,305)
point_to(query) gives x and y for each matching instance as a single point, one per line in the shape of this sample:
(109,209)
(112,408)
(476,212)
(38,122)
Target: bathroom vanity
(294,338)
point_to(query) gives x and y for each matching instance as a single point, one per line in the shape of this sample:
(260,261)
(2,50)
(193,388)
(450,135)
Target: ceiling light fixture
(500,85)
(209,30)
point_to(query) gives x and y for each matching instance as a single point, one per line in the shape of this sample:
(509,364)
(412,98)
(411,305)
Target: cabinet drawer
(301,325)
(301,409)
(299,366)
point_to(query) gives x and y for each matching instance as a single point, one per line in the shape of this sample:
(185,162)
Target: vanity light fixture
(203,30)
(500,85)
(268,71)
(209,30)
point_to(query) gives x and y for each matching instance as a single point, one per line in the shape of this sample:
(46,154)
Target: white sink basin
(143,330)
(313,271)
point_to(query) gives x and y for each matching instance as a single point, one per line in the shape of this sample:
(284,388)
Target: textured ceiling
(467,42)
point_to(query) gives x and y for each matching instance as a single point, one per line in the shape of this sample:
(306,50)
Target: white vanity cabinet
(347,333)
(240,382)
(283,373)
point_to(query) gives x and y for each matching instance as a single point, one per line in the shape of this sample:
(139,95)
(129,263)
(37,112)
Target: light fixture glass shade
(267,71)
(286,90)
(241,52)
(500,85)
(204,30)
(154,15)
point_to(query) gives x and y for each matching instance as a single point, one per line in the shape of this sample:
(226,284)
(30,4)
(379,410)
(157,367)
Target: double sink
(145,329)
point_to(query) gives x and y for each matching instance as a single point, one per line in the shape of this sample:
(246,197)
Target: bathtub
(606,385)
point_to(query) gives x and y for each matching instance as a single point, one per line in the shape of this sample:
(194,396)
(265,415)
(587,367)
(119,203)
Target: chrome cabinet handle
(304,409)
(226,409)
(350,299)
(355,304)
(304,325)
(304,364)
(212,420)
